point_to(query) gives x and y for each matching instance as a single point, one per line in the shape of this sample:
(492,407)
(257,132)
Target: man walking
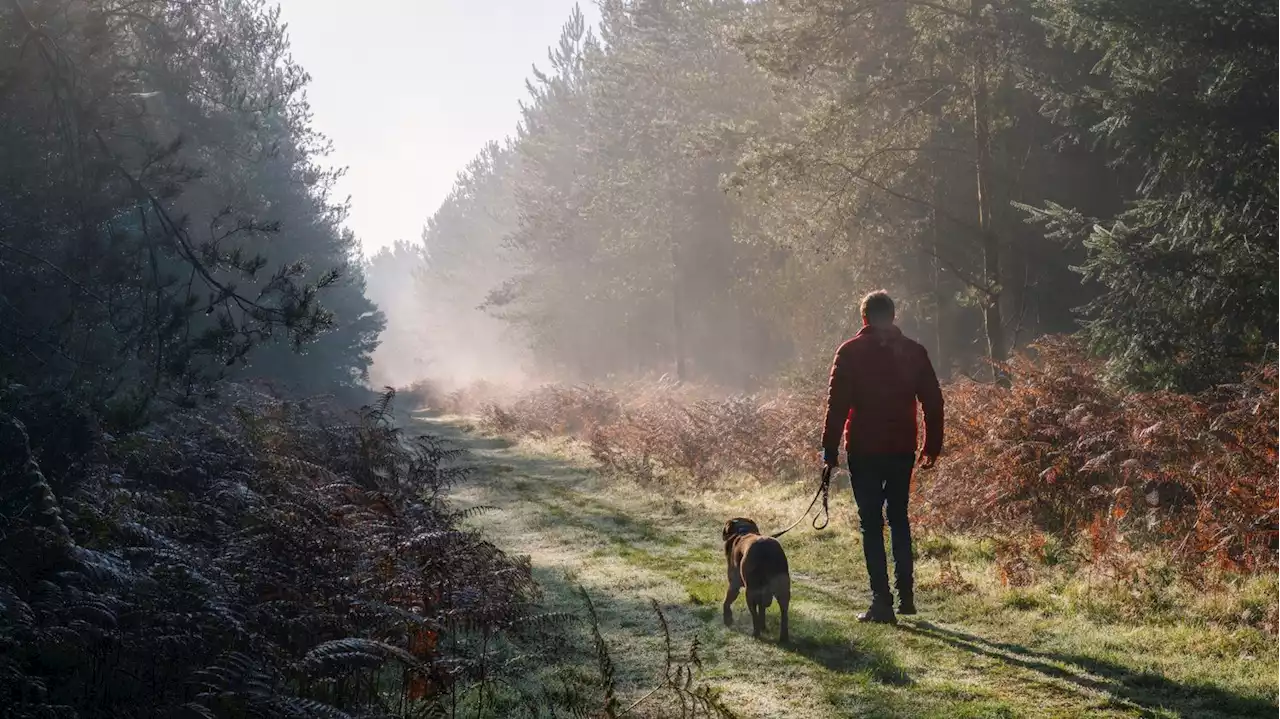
(876,379)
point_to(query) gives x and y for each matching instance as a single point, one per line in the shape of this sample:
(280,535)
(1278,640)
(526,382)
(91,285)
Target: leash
(824,492)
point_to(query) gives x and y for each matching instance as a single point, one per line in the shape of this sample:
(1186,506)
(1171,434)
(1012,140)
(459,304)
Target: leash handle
(824,491)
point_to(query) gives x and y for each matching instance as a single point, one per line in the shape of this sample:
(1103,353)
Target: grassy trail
(970,653)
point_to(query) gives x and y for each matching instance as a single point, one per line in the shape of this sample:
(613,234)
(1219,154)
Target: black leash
(824,492)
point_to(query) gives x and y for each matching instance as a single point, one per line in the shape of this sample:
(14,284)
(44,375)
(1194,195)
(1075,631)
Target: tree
(628,255)
(462,263)
(1183,96)
(153,154)
(912,141)
(402,355)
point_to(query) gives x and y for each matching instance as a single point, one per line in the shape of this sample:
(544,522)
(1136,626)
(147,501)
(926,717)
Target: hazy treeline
(706,188)
(164,209)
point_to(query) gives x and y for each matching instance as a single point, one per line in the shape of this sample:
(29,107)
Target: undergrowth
(1060,468)
(259,557)
(433,398)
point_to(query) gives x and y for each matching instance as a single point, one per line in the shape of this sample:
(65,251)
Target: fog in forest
(612,333)
(705,191)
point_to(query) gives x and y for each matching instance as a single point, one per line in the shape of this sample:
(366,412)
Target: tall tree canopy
(1183,96)
(165,210)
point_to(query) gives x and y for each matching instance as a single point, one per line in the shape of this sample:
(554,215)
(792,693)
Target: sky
(410,90)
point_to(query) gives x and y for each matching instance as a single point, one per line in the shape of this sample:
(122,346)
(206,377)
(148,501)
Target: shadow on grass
(1148,691)
(822,642)
(825,644)
(451,429)
(611,523)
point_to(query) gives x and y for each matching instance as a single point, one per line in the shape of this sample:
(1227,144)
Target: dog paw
(728,620)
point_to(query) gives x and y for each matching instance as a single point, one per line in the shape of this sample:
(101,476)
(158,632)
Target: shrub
(1059,458)
(1064,453)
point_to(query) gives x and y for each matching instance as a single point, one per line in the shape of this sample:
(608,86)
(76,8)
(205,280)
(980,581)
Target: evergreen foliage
(164,207)
(1184,96)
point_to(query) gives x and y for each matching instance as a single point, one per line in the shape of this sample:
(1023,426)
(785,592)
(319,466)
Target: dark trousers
(880,482)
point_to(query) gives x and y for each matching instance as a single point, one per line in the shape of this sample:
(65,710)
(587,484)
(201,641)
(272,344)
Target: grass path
(969,654)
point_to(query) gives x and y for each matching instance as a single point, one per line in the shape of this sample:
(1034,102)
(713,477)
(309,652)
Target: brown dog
(758,564)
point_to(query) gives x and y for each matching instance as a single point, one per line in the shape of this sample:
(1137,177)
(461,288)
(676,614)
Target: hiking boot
(879,613)
(906,604)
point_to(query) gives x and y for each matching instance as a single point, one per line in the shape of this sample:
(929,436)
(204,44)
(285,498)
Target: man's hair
(877,307)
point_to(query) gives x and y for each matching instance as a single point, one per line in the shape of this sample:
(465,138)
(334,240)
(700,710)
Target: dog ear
(728,529)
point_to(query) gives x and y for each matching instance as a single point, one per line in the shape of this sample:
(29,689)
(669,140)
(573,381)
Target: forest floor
(975,650)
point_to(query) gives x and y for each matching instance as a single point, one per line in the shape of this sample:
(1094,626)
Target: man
(876,379)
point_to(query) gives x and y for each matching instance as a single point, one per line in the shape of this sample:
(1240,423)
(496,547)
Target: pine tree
(1184,97)
(890,167)
(174,216)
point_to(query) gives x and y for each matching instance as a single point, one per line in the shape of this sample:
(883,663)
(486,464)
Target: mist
(434,292)
(680,199)
(630,228)
(437,332)
(613,334)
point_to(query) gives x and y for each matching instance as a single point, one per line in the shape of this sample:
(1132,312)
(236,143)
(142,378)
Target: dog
(759,565)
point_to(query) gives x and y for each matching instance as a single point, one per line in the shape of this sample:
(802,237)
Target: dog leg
(755,603)
(730,596)
(783,593)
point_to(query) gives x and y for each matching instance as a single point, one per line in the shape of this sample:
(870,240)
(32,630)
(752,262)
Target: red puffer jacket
(876,379)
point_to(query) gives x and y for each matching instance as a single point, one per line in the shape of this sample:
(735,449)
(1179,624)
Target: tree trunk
(677,312)
(990,243)
(941,358)
(941,361)
(1018,294)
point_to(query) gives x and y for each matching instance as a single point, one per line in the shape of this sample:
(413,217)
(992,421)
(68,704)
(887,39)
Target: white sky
(409,91)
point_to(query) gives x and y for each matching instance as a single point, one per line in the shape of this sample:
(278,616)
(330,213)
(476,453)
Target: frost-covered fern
(262,559)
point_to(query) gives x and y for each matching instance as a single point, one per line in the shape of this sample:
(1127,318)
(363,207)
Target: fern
(214,559)
(235,674)
(471,512)
(26,495)
(608,680)
(306,709)
(678,679)
(352,653)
